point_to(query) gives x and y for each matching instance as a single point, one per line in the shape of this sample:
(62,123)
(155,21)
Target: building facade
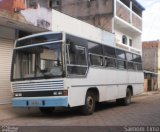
(151,63)
(121,17)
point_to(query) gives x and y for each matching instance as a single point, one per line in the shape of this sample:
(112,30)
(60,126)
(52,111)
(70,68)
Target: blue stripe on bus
(40,102)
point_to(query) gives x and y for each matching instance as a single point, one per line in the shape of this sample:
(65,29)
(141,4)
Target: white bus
(62,70)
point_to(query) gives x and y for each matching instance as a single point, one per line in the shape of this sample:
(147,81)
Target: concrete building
(151,64)
(122,17)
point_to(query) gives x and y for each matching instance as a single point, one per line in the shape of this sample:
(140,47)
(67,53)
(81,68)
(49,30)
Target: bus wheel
(46,110)
(127,100)
(89,106)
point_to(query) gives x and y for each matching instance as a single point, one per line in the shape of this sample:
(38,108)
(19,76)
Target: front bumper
(40,101)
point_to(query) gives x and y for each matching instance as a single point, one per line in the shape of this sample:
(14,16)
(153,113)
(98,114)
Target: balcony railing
(125,13)
(136,21)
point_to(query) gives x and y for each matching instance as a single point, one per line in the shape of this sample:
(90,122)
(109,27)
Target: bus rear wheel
(89,106)
(46,110)
(127,100)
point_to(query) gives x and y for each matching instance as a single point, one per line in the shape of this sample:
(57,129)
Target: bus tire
(127,100)
(89,106)
(46,110)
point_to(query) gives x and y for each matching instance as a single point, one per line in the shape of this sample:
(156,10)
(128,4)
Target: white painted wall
(62,22)
(119,34)
(40,17)
(137,42)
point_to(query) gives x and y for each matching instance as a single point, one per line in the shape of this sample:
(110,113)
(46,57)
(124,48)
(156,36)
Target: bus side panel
(76,96)
(109,82)
(139,87)
(121,82)
(136,79)
(108,92)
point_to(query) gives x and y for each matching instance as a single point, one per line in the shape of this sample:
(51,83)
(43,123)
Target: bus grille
(37,86)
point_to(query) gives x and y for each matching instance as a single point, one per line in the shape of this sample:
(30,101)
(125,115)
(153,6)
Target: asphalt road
(143,111)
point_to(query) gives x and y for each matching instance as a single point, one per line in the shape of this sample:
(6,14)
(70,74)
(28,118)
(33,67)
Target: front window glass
(42,61)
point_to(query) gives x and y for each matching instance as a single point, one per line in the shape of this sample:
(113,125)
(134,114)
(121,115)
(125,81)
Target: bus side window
(130,65)
(76,60)
(96,60)
(77,55)
(110,62)
(121,64)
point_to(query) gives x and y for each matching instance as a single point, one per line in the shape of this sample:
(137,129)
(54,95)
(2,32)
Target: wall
(137,42)
(150,56)
(7,33)
(83,8)
(80,28)
(136,39)
(119,34)
(145,85)
(96,12)
(40,17)
(158,65)
(12,5)
(37,14)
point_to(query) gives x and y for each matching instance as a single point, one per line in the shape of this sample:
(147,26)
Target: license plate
(36,103)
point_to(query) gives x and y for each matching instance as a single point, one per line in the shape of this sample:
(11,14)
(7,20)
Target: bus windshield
(42,61)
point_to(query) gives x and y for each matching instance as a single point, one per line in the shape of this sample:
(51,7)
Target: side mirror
(72,48)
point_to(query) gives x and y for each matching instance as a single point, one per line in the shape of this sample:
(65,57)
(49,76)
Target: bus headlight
(17,94)
(55,93)
(60,93)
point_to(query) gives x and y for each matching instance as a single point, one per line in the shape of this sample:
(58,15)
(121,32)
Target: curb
(147,93)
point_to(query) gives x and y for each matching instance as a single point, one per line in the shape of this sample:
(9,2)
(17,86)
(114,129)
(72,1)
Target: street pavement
(143,111)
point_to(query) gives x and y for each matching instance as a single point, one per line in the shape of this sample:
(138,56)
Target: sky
(151,20)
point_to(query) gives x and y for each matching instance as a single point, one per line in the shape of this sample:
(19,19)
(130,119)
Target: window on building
(54,3)
(124,39)
(130,42)
(20,33)
(31,4)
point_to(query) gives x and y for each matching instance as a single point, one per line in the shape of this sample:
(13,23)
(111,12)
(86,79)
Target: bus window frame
(67,57)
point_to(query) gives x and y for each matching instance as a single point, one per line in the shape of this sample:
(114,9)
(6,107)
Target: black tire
(127,100)
(89,106)
(46,110)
